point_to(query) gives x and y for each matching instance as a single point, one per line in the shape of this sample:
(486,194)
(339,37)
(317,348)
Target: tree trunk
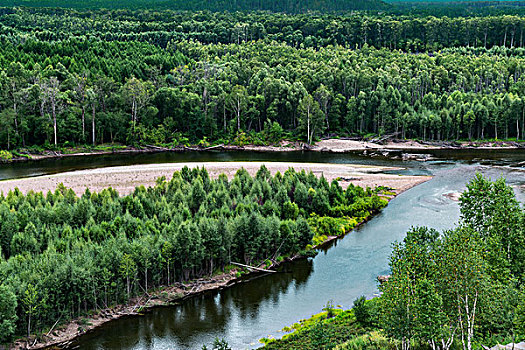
(308,125)
(522,122)
(29,325)
(16,119)
(517,129)
(83,124)
(146,278)
(93,123)
(224,115)
(238,115)
(53,109)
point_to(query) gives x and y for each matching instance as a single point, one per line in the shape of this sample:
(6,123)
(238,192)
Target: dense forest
(72,77)
(462,289)
(289,6)
(63,255)
(168,73)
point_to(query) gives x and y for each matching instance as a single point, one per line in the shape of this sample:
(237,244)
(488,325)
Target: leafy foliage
(71,77)
(64,255)
(462,284)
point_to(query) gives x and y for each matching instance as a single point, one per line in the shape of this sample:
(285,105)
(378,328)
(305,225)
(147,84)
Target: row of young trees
(407,32)
(464,287)
(289,6)
(442,8)
(58,92)
(63,255)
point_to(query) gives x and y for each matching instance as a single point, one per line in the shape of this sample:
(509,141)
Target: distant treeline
(289,6)
(140,77)
(436,8)
(457,8)
(414,33)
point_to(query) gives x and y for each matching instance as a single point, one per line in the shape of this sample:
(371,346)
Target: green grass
(371,340)
(320,332)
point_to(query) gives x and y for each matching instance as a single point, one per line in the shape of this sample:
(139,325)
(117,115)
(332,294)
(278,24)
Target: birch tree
(311,118)
(92,99)
(51,95)
(80,87)
(137,94)
(464,279)
(238,102)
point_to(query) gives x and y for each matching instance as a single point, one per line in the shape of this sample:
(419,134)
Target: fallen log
(384,138)
(48,333)
(221,146)
(158,148)
(252,268)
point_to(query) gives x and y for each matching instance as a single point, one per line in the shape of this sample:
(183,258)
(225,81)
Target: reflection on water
(52,166)
(211,314)
(261,307)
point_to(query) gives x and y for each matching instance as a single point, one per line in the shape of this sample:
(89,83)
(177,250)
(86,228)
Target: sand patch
(125,178)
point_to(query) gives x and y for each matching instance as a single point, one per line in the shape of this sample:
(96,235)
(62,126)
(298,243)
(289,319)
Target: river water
(340,273)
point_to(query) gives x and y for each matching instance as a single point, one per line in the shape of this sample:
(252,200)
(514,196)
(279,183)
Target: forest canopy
(64,255)
(143,77)
(291,6)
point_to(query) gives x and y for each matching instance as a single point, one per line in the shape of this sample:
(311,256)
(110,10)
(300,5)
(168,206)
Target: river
(262,306)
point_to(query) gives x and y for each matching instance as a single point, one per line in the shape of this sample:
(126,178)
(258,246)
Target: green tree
(32,304)
(238,102)
(8,317)
(431,323)
(362,311)
(128,270)
(491,209)
(137,95)
(465,279)
(519,318)
(311,118)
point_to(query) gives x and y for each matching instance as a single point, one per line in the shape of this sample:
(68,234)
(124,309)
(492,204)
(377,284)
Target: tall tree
(238,102)
(80,87)
(137,94)
(51,94)
(311,118)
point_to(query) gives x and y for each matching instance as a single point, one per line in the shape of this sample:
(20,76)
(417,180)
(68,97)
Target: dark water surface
(59,165)
(262,306)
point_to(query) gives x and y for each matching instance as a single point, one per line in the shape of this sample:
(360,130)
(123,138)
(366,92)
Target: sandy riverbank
(327,145)
(341,146)
(125,178)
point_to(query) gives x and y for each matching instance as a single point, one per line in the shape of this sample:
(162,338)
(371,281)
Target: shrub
(5,156)
(362,311)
